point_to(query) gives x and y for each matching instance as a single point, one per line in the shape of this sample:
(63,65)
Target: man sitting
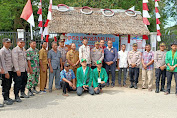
(100,77)
(84,78)
(67,75)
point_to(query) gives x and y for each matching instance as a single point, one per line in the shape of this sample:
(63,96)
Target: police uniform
(134,57)
(20,64)
(33,57)
(7,66)
(63,51)
(96,54)
(159,60)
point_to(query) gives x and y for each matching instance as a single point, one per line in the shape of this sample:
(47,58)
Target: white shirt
(84,70)
(123,60)
(84,53)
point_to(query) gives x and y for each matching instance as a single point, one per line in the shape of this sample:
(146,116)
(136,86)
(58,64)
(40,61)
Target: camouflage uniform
(33,56)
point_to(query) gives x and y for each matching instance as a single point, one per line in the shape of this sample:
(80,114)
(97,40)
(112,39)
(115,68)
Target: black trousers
(6,85)
(134,74)
(169,78)
(20,83)
(160,75)
(66,86)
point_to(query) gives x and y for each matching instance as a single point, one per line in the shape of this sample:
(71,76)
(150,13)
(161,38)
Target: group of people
(83,70)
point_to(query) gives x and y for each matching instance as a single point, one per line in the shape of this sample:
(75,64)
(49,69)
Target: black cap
(66,64)
(20,40)
(6,40)
(174,43)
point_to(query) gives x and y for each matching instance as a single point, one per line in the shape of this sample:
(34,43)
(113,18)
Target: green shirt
(84,79)
(172,60)
(103,75)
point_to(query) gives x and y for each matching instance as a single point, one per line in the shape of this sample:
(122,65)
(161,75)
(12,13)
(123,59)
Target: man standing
(20,69)
(171,62)
(73,58)
(122,64)
(55,64)
(33,65)
(84,78)
(43,66)
(7,65)
(84,52)
(148,66)
(134,60)
(63,50)
(97,53)
(160,67)
(67,75)
(102,44)
(100,77)
(110,57)
(1,72)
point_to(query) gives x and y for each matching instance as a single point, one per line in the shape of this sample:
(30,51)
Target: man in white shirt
(84,52)
(122,64)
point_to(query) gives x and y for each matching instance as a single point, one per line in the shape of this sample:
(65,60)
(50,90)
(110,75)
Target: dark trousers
(100,86)
(134,74)
(169,78)
(6,85)
(113,71)
(124,74)
(66,86)
(93,67)
(20,83)
(80,90)
(160,75)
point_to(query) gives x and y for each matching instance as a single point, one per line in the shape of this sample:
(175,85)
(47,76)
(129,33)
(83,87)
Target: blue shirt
(55,58)
(110,55)
(68,75)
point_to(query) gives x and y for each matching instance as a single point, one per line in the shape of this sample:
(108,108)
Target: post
(31,29)
(21,33)
(153,40)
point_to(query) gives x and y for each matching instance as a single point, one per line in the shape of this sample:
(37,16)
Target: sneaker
(112,85)
(30,93)
(1,105)
(135,86)
(8,102)
(35,91)
(43,91)
(18,99)
(23,95)
(107,84)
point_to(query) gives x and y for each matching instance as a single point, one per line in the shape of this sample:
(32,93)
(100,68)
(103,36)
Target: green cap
(162,44)
(82,60)
(98,62)
(135,44)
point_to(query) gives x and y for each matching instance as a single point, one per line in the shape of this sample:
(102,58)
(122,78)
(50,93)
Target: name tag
(172,62)
(99,80)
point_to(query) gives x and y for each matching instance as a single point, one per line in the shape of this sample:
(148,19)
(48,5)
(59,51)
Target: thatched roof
(73,21)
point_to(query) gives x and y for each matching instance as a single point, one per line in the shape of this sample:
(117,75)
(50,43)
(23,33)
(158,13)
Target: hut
(97,21)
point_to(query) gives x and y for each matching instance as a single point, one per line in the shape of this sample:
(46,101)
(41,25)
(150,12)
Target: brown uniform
(73,56)
(43,75)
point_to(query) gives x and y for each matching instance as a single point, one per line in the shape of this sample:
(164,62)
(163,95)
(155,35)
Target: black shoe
(112,85)
(30,93)
(107,84)
(131,85)
(8,102)
(135,86)
(10,99)
(156,91)
(162,89)
(35,91)
(23,95)
(18,99)
(1,105)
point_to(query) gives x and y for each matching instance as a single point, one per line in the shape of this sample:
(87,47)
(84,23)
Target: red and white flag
(49,17)
(40,25)
(27,13)
(146,13)
(157,20)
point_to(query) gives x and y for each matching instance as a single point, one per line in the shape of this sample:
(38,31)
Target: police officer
(6,60)
(134,60)
(20,69)
(97,53)
(160,67)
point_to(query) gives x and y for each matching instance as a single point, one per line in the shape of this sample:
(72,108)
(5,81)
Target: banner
(77,38)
